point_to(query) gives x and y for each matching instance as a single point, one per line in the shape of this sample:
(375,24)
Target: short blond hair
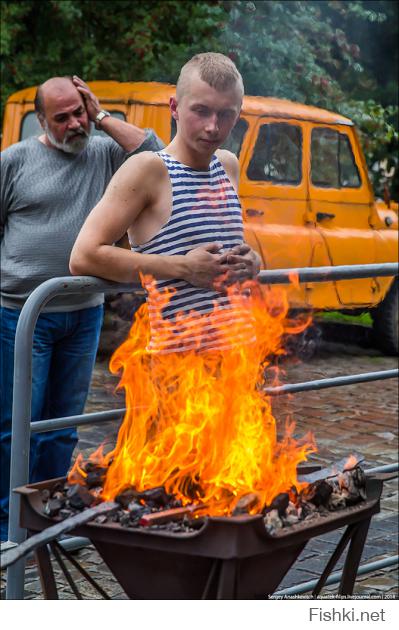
(217,70)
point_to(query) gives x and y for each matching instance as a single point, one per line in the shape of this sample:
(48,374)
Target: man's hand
(90,100)
(243,264)
(204,266)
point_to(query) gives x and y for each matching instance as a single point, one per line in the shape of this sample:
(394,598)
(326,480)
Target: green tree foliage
(341,55)
(326,53)
(98,39)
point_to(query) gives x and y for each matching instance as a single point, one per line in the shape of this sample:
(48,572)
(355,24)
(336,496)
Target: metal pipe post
(22,400)
(327,274)
(336,381)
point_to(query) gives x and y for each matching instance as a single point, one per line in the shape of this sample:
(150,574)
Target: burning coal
(199,424)
(158,510)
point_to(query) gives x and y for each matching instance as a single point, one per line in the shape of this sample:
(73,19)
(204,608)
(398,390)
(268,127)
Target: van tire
(386,322)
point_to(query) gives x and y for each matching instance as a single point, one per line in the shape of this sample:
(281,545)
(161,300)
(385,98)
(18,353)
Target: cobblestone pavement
(359,417)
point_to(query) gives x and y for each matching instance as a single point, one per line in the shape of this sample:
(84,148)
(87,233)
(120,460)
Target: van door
(154,116)
(341,202)
(273,191)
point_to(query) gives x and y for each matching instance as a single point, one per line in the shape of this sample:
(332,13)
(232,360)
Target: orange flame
(351,463)
(198,422)
(294,279)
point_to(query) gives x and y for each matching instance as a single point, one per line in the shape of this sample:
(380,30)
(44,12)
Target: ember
(156,509)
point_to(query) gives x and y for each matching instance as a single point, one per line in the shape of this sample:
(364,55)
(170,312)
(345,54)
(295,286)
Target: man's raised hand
(91,101)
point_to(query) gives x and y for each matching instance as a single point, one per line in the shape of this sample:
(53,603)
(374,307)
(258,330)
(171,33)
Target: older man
(49,184)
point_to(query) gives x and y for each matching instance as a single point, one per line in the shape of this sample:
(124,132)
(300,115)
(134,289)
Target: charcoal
(125,519)
(90,466)
(306,509)
(336,501)
(354,482)
(291,515)
(136,510)
(157,517)
(126,496)
(52,507)
(279,503)
(291,509)
(196,523)
(155,497)
(359,477)
(102,518)
(79,497)
(272,521)
(293,495)
(45,495)
(114,518)
(320,493)
(95,477)
(65,513)
(290,519)
(317,493)
(173,527)
(351,498)
(191,488)
(96,493)
(60,496)
(246,503)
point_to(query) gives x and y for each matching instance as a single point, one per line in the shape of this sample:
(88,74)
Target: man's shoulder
(18,150)
(230,164)
(101,143)
(227,157)
(229,161)
(145,161)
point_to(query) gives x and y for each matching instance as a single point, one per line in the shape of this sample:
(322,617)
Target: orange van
(305,192)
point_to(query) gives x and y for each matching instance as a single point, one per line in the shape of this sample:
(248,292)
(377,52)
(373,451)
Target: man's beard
(78,144)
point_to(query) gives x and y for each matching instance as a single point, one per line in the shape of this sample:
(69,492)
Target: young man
(48,186)
(179,206)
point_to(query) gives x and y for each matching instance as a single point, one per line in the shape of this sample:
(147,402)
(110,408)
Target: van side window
(348,172)
(31,127)
(235,138)
(277,155)
(332,161)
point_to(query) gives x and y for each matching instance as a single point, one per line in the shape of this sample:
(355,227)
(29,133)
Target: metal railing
(22,427)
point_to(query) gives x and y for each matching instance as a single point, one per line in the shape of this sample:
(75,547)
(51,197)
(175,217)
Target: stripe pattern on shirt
(205,209)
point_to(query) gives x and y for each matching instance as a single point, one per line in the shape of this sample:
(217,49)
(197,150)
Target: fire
(199,423)
(351,463)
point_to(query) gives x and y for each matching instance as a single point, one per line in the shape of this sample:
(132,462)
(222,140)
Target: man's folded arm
(129,192)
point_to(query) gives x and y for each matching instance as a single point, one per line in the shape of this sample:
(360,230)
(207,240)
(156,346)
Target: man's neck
(44,140)
(185,155)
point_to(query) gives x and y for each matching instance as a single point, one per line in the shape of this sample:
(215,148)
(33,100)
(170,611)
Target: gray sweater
(46,195)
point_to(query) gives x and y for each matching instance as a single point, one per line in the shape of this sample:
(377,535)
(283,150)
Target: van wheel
(386,322)
(304,345)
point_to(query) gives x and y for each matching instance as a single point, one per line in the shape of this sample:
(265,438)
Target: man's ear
(41,120)
(173,107)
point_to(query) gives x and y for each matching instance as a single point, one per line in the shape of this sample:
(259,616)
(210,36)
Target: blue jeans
(64,352)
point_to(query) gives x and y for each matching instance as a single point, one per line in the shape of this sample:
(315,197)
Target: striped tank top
(205,209)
